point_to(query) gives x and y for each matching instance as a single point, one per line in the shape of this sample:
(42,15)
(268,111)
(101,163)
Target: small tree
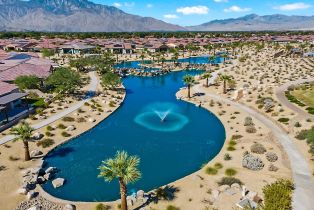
(206,76)
(124,168)
(64,80)
(47,52)
(23,131)
(225,78)
(188,81)
(110,80)
(27,82)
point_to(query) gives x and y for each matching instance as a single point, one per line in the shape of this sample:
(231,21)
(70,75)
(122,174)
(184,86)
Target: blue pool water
(189,137)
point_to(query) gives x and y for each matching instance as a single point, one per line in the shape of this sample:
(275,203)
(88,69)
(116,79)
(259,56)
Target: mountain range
(73,16)
(86,16)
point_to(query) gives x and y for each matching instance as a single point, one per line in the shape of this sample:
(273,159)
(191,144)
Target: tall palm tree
(23,131)
(206,76)
(188,81)
(225,78)
(124,168)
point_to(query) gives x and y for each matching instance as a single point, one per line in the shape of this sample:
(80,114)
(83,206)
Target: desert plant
(229,181)
(230,172)
(211,171)
(271,157)
(45,143)
(258,148)
(101,206)
(218,166)
(250,129)
(227,156)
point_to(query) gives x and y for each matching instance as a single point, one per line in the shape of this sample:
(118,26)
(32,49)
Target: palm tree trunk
(206,82)
(189,91)
(26,150)
(123,194)
(225,88)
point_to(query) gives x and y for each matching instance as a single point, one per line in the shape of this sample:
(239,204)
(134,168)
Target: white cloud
(171,16)
(116,4)
(237,9)
(220,1)
(293,6)
(149,5)
(199,10)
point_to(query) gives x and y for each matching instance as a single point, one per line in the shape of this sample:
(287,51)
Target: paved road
(91,90)
(280,93)
(302,177)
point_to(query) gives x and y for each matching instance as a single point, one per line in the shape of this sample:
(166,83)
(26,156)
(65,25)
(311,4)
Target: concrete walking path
(92,89)
(280,94)
(302,177)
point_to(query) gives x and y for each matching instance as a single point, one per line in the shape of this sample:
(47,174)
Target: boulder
(37,171)
(70,128)
(223,188)
(58,182)
(36,153)
(91,120)
(140,194)
(22,191)
(34,208)
(30,195)
(37,136)
(48,176)
(215,194)
(51,170)
(69,207)
(40,180)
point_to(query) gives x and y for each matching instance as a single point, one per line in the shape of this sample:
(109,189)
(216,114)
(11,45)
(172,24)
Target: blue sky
(193,12)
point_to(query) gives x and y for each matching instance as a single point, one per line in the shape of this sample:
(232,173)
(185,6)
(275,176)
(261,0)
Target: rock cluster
(140,197)
(271,157)
(40,203)
(253,163)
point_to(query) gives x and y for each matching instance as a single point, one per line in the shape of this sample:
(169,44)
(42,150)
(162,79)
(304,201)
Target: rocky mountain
(255,22)
(73,16)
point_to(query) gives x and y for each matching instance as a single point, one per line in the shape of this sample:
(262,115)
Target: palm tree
(23,131)
(206,76)
(188,81)
(124,168)
(225,78)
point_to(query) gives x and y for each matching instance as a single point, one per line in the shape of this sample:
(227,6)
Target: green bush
(101,206)
(45,143)
(232,143)
(278,195)
(283,120)
(49,134)
(61,126)
(227,156)
(218,166)
(171,207)
(65,134)
(68,119)
(231,148)
(230,172)
(211,171)
(229,181)
(49,128)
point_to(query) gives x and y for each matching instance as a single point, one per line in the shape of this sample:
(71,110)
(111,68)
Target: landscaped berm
(97,123)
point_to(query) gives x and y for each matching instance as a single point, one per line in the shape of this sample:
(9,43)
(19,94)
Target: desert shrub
(230,172)
(229,181)
(171,207)
(278,195)
(61,126)
(49,134)
(258,148)
(227,156)
(271,157)
(68,119)
(250,129)
(236,136)
(86,104)
(301,135)
(272,167)
(231,148)
(211,171)
(81,120)
(65,134)
(101,206)
(45,143)
(297,125)
(12,158)
(248,121)
(112,104)
(100,110)
(218,166)
(49,128)
(283,120)
(232,143)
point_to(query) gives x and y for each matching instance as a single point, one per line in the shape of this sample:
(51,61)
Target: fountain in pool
(164,117)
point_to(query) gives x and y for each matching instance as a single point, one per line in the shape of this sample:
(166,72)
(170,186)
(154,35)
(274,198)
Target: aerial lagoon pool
(173,139)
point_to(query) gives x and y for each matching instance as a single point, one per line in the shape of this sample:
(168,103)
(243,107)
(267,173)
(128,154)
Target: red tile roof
(6,88)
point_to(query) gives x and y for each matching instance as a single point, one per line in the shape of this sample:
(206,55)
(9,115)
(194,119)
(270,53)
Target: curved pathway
(280,94)
(304,186)
(91,90)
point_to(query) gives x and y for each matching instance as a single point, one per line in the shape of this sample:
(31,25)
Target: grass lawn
(305,96)
(38,102)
